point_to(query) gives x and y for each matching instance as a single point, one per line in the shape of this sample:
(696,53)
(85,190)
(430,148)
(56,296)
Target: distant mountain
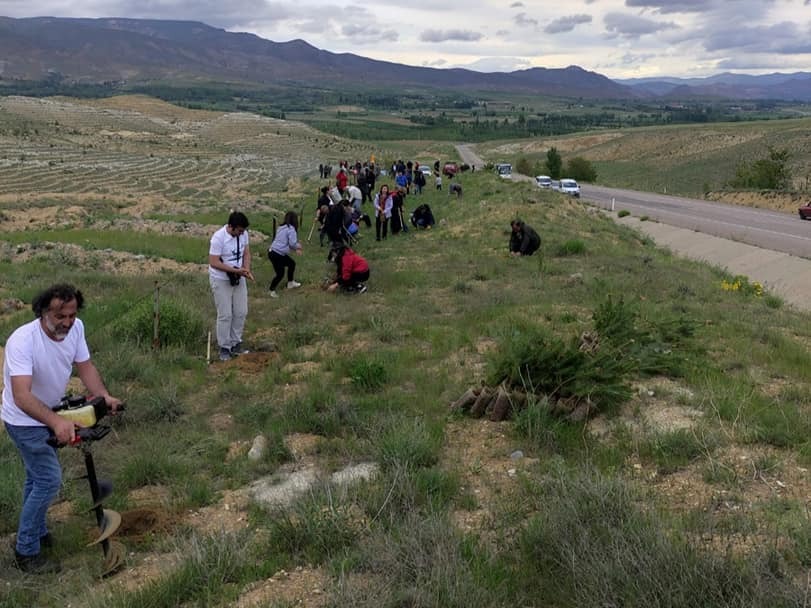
(137,50)
(788,87)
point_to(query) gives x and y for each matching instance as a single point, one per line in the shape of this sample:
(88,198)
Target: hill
(134,50)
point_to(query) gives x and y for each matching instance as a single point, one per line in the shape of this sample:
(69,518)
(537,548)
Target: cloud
(781,38)
(631,26)
(436,63)
(674,6)
(497,64)
(520,4)
(368,33)
(444,35)
(566,24)
(522,20)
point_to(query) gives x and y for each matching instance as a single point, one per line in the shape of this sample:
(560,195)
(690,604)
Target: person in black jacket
(523,239)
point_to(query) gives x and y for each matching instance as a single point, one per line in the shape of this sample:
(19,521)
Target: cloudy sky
(618,38)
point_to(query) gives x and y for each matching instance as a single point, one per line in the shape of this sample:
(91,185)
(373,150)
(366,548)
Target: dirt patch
(139,524)
(301,587)
(250,363)
(228,515)
(776,201)
(482,454)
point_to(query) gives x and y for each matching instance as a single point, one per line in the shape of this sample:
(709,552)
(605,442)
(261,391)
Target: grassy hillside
(688,160)
(684,485)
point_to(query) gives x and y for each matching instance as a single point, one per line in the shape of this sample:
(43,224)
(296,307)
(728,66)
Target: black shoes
(36,564)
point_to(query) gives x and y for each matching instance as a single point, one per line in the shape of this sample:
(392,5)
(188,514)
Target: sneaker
(225,354)
(273,294)
(293,284)
(36,564)
(362,288)
(237,349)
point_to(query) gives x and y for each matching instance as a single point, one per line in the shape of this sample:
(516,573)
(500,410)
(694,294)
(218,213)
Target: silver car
(569,186)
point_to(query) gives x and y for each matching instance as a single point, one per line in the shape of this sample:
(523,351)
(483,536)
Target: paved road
(683,228)
(759,227)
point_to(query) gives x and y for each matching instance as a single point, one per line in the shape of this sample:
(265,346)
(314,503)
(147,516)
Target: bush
(771,173)
(580,169)
(623,213)
(179,325)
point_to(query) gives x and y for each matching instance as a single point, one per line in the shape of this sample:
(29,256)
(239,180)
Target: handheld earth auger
(88,413)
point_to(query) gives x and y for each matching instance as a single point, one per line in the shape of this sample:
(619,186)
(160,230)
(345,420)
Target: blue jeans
(43,478)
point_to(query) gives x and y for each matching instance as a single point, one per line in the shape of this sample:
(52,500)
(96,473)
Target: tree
(554,163)
(523,166)
(770,173)
(581,169)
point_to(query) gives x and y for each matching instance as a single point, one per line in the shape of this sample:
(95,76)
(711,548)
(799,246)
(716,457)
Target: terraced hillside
(134,150)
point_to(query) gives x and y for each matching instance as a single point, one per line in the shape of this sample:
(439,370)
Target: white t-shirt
(30,352)
(355,193)
(225,246)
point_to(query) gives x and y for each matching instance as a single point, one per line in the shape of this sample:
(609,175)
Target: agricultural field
(655,452)
(691,160)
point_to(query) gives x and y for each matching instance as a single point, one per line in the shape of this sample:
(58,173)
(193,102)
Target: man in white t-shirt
(229,265)
(39,359)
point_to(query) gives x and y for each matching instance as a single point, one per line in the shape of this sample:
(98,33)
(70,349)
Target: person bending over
(353,271)
(285,242)
(523,239)
(39,357)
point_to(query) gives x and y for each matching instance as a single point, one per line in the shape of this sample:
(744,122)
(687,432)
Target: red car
(805,212)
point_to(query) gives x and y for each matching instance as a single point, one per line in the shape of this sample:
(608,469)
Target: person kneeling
(353,271)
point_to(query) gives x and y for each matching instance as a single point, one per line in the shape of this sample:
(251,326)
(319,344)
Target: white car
(543,181)
(425,170)
(569,186)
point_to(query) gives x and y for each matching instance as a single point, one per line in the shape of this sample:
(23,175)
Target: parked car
(805,212)
(504,170)
(543,181)
(450,169)
(425,170)
(569,186)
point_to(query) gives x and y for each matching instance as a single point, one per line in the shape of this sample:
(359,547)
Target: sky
(617,38)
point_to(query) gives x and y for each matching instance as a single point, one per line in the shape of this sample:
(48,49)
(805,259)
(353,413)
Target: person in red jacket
(353,271)
(341,181)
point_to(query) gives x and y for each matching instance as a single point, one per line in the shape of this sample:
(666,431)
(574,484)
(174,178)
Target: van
(504,170)
(543,181)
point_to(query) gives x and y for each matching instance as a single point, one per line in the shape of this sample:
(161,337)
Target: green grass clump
(571,247)
(592,545)
(623,213)
(179,324)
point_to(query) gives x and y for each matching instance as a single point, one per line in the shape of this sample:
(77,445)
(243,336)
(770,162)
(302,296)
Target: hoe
(88,413)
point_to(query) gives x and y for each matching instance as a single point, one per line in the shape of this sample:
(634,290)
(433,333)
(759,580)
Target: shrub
(771,173)
(581,169)
(179,324)
(623,213)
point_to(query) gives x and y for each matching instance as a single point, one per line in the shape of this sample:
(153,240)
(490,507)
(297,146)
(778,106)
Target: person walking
(39,357)
(285,242)
(229,267)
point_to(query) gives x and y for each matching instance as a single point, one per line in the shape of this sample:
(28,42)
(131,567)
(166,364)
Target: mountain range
(187,52)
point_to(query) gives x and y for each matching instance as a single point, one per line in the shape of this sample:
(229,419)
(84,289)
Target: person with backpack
(523,239)
(285,242)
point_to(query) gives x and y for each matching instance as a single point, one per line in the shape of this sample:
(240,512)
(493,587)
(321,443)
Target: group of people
(40,355)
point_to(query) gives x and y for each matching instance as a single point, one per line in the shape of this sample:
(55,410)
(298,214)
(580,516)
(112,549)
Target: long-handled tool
(88,414)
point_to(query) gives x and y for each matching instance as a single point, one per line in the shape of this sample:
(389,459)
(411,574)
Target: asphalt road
(767,229)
